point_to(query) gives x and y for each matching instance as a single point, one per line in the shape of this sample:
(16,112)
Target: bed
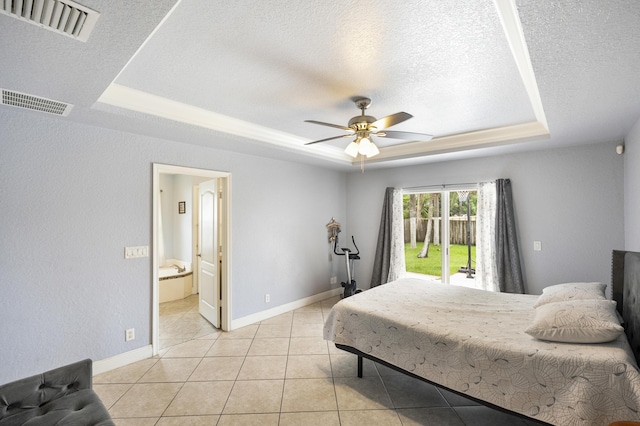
(473,342)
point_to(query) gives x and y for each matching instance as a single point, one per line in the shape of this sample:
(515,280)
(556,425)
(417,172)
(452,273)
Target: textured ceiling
(482,76)
(279,63)
(586,57)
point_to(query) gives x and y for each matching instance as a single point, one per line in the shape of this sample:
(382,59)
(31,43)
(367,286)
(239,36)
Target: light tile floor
(277,372)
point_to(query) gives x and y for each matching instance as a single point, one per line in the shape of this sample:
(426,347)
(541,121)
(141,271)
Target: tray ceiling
(482,76)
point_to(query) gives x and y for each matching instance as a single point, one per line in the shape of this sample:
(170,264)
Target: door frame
(445,239)
(224,241)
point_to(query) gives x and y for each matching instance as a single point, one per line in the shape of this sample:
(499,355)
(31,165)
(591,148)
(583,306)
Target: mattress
(473,342)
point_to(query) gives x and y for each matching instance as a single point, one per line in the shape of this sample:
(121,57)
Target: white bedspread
(473,341)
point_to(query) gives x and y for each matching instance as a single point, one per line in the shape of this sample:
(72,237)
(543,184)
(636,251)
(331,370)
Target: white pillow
(571,291)
(576,321)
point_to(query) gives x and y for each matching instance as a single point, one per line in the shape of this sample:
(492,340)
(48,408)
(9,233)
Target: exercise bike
(350,287)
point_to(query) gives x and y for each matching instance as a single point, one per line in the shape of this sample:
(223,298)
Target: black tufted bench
(62,396)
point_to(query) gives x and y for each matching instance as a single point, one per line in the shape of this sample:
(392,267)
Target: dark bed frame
(625,284)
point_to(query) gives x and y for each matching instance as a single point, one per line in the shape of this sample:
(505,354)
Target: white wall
(177,230)
(183,223)
(569,199)
(632,189)
(166,203)
(74,196)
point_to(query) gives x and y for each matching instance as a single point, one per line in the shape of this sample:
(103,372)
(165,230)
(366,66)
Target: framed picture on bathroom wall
(182,207)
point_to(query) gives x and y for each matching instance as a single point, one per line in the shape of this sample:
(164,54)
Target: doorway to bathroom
(191,241)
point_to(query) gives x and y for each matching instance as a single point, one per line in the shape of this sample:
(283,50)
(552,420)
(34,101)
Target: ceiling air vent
(64,17)
(35,103)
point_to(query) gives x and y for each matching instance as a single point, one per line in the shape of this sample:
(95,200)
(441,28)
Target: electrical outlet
(537,246)
(267,298)
(334,280)
(129,334)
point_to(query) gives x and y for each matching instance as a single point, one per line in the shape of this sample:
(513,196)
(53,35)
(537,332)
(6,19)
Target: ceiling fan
(363,126)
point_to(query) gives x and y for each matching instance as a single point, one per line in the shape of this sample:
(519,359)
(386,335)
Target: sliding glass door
(440,234)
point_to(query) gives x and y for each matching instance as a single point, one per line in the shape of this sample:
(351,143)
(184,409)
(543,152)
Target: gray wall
(632,189)
(74,196)
(569,199)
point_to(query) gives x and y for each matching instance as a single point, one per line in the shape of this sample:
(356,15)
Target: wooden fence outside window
(457,229)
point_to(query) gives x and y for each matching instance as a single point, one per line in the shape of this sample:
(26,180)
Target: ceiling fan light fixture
(352,149)
(365,146)
(363,126)
(373,151)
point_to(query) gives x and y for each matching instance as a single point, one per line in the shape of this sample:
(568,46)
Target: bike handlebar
(346,249)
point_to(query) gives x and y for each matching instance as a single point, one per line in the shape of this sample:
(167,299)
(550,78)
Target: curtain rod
(442,186)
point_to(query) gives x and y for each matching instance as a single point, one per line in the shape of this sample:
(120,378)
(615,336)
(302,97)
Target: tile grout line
(233,386)
(286,366)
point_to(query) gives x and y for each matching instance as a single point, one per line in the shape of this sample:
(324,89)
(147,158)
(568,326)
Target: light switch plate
(137,251)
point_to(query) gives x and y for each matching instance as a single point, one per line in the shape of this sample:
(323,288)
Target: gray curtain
(508,265)
(382,260)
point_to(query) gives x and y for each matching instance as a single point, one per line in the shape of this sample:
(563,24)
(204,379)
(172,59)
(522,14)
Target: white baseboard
(269,313)
(126,358)
(120,360)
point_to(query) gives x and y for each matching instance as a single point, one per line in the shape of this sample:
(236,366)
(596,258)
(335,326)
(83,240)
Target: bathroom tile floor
(276,372)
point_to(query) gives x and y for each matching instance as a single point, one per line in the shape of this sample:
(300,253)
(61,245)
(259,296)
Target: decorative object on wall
(182,207)
(333,228)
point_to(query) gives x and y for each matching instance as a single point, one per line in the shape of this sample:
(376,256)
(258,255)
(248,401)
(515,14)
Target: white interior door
(208,261)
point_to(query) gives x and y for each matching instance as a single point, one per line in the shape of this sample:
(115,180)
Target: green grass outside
(432,265)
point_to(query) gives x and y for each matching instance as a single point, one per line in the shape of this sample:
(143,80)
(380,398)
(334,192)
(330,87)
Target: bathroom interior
(177,236)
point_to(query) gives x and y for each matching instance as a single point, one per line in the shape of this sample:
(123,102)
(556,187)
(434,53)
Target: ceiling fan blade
(391,120)
(328,139)
(405,135)
(337,126)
